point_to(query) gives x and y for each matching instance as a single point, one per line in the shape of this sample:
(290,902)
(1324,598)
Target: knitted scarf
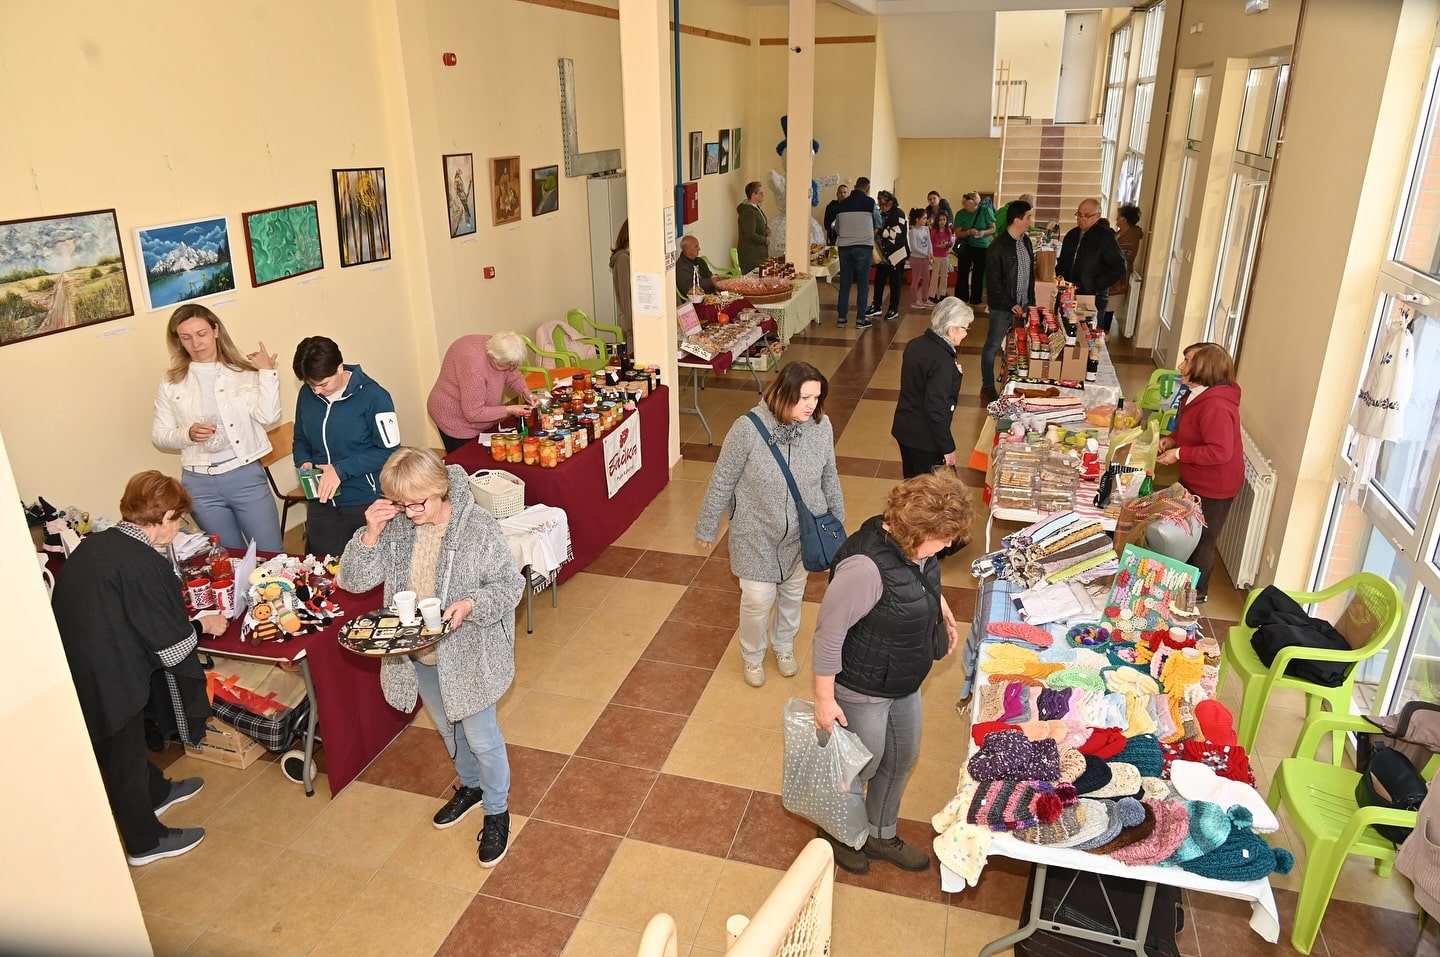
(424,558)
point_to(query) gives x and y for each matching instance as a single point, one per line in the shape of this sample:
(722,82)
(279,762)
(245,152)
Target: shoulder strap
(779,460)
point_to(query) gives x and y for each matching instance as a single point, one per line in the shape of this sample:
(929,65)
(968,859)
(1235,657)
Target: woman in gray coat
(764,526)
(451,549)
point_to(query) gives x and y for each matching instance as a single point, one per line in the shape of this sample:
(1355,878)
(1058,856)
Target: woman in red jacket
(1206,446)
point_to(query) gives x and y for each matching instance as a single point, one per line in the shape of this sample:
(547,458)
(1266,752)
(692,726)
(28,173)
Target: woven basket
(499,493)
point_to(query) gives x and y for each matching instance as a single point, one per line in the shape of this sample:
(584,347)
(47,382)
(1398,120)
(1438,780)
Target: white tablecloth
(796,313)
(540,538)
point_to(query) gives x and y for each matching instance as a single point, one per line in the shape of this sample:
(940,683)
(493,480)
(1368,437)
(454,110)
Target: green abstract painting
(283,242)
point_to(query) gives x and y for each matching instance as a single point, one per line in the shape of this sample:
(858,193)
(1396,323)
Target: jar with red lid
(530,450)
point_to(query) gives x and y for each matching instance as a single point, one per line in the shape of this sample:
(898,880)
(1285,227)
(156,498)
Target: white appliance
(608,209)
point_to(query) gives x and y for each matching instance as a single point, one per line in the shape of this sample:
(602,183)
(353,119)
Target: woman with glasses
(345,426)
(468,397)
(930,379)
(449,548)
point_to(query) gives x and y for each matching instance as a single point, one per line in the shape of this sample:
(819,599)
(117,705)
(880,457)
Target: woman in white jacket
(214,406)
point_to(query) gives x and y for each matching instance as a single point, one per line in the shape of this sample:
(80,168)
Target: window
(1419,245)
(1260,114)
(1199,104)
(1114,105)
(1132,168)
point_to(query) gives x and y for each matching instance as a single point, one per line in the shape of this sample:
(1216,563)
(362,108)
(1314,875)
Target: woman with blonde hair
(468,397)
(214,407)
(448,548)
(883,623)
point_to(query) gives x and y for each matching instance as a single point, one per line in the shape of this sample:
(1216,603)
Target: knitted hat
(1004,757)
(1171,824)
(1131,833)
(1143,751)
(1056,832)
(979,731)
(1126,812)
(1104,743)
(1072,765)
(1043,762)
(1243,857)
(1159,789)
(1095,776)
(1210,826)
(1198,782)
(1012,805)
(992,703)
(1094,821)
(1124,782)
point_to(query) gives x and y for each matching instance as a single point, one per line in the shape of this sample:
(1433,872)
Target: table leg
(989,524)
(310,723)
(527,571)
(695,409)
(1117,939)
(1037,898)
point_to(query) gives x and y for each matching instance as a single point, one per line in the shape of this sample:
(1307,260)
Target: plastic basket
(499,493)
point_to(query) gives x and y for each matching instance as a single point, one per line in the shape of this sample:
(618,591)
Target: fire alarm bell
(489,272)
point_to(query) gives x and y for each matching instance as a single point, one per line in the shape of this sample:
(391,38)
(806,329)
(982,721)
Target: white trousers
(770,614)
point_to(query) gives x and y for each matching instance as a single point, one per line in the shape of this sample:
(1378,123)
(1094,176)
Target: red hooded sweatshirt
(1212,464)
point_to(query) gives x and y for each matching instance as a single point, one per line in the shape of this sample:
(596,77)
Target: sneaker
(935,299)
(494,839)
(846,856)
(864,323)
(174,842)
(897,852)
(893,314)
(461,803)
(180,791)
(1201,599)
(872,312)
(786,664)
(841,323)
(755,674)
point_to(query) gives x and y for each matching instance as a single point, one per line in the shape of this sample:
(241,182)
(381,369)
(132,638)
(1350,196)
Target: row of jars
(551,446)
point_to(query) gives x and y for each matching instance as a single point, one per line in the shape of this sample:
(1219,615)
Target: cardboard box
(223,744)
(1069,363)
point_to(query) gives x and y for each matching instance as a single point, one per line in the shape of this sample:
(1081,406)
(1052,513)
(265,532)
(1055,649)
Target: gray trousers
(891,730)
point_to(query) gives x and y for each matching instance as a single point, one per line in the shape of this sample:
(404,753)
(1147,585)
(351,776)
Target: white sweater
(249,404)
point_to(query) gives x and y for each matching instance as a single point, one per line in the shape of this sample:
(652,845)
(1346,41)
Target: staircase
(1060,164)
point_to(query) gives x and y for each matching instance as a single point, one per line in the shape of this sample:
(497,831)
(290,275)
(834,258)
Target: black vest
(888,653)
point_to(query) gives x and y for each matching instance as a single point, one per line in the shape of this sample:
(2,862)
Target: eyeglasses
(417,507)
(1080,215)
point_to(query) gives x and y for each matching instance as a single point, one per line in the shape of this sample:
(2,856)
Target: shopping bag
(819,771)
(1169,505)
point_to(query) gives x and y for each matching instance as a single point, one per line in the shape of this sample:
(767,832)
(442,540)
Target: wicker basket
(499,493)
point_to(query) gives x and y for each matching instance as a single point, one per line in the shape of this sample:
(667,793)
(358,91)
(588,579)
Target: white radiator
(1243,540)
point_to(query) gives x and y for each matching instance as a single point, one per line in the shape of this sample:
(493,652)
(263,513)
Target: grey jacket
(747,483)
(477,659)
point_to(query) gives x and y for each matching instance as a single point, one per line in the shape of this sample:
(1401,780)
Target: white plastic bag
(819,769)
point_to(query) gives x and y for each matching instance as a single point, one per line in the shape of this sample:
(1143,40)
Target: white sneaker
(755,674)
(786,664)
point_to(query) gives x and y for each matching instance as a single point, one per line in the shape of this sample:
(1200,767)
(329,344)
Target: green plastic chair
(735,262)
(602,351)
(1380,597)
(1319,801)
(728,273)
(561,359)
(1158,393)
(589,328)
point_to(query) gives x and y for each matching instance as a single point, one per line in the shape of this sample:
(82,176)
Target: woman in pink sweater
(467,398)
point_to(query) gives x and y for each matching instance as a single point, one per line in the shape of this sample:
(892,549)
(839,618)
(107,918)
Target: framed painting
(283,241)
(712,158)
(460,193)
(59,273)
(362,215)
(544,190)
(724,151)
(504,190)
(697,155)
(184,261)
(735,149)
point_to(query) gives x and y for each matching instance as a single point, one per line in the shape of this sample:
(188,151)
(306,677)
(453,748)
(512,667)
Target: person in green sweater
(974,228)
(753,246)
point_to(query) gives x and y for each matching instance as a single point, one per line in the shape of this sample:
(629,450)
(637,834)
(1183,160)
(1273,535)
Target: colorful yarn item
(1021,631)
(1076,678)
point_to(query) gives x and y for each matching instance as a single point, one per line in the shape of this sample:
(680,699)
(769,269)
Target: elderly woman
(930,379)
(449,548)
(882,624)
(764,525)
(468,397)
(974,228)
(1206,446)
(123,623)
(214,406)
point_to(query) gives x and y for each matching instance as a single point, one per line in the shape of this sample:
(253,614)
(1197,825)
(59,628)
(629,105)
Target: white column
(645,83)
(800,130)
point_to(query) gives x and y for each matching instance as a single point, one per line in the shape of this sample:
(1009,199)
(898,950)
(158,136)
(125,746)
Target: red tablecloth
(733,308)
(721,363)
(578,484)
(355,722)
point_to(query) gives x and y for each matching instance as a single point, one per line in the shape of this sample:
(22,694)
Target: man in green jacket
(754,244)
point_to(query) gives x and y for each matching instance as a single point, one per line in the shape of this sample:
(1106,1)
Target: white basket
(499,493)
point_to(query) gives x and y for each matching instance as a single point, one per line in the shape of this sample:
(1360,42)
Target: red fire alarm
(489,272)
(448,59)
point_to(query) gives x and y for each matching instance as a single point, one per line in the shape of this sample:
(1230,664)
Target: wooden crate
(223,744)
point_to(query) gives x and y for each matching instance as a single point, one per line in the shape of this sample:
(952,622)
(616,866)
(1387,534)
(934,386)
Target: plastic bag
(819,769)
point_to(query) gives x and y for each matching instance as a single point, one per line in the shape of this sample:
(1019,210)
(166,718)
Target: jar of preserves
(530,450)
(514,454)
(498,448)
(549,455)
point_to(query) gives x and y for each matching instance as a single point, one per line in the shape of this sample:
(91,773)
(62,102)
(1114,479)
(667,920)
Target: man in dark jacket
(855,238)
(831,209)
(689,266)
(1090,257)
(1010,264)
(930,380)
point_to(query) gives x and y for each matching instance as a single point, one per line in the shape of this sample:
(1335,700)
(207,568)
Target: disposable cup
(404,602)
(430,612)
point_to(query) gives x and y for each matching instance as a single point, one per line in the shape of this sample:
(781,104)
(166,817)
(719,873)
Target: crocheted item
(1011,756)
(1197,782)
(1159,789)
(961,846)
(980,730)
(1076,678)
(1056,832)
(1041,669)
(1053,703)
(992,703)
(1131,681)
(1105,710)
(1058,655)
(1072,765)
(1021,631)
(1130,833)
(1012,805)
(1126,812)
(1243,857)
(1165,727)
(1104,743)
(1172,823)
(1217,724)
(1210,826)
(1143,751)
(1014,699)
(1087,659)
(1045,730)
(1124,782)
(1174,719)
(1137,716)
(1023,701)
(1007,659)
(1095,776)
(1017,677)
(1182,670)
(1228,760)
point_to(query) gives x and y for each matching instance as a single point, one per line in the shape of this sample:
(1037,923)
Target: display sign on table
(622,454)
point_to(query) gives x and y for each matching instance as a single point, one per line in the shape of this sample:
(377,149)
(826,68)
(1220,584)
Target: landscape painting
(712,158)
(362,216)
(182,261)
(283,242)
(59,273)
(544,190)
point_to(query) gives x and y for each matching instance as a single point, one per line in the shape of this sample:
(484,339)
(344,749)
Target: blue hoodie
(356,433)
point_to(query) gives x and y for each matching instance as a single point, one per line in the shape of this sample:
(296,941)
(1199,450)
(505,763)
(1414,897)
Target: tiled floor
(647,774)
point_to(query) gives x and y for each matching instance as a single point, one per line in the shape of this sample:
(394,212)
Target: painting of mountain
(182,261)
(61,272)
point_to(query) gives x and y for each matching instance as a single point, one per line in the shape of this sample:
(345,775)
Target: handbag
(1391,781)
(820,535)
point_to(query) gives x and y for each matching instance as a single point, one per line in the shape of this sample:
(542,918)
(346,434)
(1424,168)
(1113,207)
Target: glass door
(1178,256)
(1244,210)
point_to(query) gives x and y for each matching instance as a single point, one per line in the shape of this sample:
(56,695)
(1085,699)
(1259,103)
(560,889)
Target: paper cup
(430,611)
(224,592)
(404,602)
(201,594)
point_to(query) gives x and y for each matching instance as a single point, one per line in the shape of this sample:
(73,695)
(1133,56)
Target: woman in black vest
(882,624)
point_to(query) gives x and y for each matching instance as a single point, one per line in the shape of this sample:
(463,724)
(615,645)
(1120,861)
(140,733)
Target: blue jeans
(475,743)
(854,267)
(891,730)
(1000,323)
(237,505)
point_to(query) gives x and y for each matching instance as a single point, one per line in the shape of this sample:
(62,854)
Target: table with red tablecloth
(719,364)
(578,484)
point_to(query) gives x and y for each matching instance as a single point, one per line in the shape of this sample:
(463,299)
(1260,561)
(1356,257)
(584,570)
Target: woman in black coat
(123,622)
(929,387)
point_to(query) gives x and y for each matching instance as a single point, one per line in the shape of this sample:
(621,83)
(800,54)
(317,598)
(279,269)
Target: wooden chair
(282,440)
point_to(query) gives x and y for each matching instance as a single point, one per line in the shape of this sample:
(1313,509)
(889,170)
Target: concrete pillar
(800,130)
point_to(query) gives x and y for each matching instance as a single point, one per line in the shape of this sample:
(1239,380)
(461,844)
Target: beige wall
(884,145)
(1030,42)
(952,167)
